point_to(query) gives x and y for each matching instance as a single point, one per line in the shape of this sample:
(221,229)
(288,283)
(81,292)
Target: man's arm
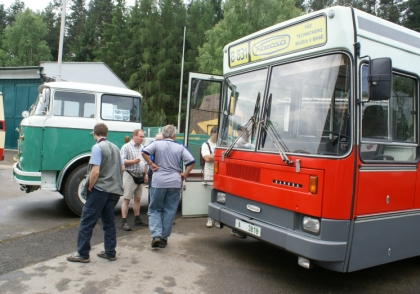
(152,165)
(93,177)
(187,171)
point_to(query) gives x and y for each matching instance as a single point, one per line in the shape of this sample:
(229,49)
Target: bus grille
(247,173)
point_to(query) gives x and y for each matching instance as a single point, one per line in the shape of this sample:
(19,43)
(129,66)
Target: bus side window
(387,123)
(73,104)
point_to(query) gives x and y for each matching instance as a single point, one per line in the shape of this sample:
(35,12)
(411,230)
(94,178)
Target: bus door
(2,128)
(387,174)
(203,102)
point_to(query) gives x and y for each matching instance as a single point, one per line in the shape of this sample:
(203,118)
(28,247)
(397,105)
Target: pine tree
(52,18)
(116,41)
(76,24)
(98,14)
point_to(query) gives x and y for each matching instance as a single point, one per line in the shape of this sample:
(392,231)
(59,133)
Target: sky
(41,4)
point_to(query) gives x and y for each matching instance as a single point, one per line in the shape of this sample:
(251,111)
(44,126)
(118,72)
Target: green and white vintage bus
(55,137)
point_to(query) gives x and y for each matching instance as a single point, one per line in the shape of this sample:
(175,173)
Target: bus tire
(74,200)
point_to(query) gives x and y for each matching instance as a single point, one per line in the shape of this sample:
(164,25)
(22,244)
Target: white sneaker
(209,222)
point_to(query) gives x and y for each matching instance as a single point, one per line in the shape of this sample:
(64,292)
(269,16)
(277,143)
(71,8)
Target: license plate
(251,229)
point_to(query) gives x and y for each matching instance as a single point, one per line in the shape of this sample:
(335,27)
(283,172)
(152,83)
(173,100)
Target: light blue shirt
(168,156)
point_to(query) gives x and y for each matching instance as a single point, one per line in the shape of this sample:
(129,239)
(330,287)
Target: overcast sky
(41,4)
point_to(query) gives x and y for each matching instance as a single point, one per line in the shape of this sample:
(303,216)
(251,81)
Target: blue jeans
(162,209)
(98,204)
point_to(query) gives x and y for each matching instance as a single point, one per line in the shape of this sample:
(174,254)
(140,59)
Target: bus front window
(309,106)
(41,105)
(242,92)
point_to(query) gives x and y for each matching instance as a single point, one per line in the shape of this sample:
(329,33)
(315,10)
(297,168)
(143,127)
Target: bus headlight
(221,197)
(311,224)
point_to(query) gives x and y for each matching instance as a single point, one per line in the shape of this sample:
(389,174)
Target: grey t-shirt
(168,156)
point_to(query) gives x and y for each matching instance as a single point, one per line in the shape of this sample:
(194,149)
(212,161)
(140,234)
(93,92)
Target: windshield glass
(306,108)
(241,99)
(40,107)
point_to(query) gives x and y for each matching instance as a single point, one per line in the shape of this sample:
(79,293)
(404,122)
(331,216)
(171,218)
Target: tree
(11,12)
(411,14)
(202,15)
(76,25)
(116,41)
(241,17)
(98,14)
(24,42)
(52,18)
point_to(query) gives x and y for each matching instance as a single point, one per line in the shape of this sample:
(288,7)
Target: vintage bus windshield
(306,108)
(41,105)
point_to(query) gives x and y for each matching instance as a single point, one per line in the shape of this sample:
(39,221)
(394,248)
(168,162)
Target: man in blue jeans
(167,182)
(105,187)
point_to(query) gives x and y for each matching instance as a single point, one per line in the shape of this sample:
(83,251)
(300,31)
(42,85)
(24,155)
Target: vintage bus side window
(389,128)
(74,104)
(120,108)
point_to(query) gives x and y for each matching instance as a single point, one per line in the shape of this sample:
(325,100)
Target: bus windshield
(305,110)
(41,105)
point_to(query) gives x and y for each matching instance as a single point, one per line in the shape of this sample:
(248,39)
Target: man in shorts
(135,166)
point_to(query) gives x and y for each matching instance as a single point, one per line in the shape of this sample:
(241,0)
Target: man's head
(169,132)
(213,134)
(159,136)
(100,130)
(138,136)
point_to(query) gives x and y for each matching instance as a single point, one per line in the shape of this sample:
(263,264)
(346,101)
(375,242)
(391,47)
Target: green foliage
(116,41)
(25,40)
(76,25)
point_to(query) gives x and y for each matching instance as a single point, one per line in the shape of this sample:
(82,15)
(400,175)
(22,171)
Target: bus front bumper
(26,178)
(297,243)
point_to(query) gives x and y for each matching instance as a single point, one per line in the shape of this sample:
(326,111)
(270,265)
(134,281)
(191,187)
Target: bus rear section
(317,149)
(2,128)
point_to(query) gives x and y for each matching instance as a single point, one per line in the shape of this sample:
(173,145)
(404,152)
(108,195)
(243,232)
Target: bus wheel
(74,200)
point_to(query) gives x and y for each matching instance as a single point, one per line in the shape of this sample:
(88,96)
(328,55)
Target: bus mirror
(380,79)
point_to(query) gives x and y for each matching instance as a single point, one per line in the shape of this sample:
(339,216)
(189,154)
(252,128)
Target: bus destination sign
(298,37)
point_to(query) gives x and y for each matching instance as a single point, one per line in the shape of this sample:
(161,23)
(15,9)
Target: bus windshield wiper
(252,120)
(277,141)
(271,131)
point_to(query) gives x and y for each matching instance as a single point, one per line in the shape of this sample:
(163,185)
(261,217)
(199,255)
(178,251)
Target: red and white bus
(318,142)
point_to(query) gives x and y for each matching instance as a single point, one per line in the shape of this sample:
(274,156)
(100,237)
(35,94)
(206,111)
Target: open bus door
(202,115)
(2,128)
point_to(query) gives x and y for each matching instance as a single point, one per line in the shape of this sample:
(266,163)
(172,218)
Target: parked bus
(317,149)
(55,137)
(2,128)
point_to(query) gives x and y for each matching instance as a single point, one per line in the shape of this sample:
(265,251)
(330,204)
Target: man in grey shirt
(167,182)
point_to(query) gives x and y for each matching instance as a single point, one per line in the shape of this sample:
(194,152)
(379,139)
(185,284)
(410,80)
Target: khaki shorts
(130,188)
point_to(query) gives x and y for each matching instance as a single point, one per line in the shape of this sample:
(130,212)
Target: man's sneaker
(125,227)
(163,243)
(140,222)
(75,257)
(209,222)
(238,234)
(155,242)
(102,254)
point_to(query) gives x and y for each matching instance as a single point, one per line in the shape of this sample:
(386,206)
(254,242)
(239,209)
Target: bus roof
(90,88)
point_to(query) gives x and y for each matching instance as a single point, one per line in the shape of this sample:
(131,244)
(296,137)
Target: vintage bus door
(202,114)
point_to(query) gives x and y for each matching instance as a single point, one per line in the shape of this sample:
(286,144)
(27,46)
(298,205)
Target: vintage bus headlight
(221,197)
(311,224)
